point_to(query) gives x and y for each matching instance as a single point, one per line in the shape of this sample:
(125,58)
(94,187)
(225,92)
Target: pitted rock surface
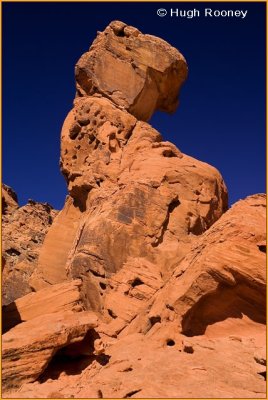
(152,288)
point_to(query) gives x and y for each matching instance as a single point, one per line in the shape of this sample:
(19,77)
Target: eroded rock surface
(138,72)
(28,348)
(52,299)
(219,288)
(23,232)
(146,243)
(132,195)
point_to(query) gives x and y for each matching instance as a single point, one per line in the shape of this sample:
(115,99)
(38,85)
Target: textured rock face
(27,348)
(23,232)
(219,288)
(145,242)
(138,72)
(201,333)
(52,299)
(9,201)
(131,193)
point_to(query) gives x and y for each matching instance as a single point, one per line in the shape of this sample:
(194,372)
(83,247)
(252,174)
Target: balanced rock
(131,193)
(140,73)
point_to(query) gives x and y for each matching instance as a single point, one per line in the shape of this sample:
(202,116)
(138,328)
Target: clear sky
(221,118)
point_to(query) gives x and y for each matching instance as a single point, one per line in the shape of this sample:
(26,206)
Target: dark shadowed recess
(226,302)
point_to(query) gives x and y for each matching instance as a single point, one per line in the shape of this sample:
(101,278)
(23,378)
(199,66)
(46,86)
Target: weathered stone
(28,348)
(177,282)
(219,288)
(23,233)
(138,72)
(52,299)
(9,201)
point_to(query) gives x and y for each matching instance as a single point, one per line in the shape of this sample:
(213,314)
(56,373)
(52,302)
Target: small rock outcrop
(23,232)
(28,348)
(52,299)
(146,285)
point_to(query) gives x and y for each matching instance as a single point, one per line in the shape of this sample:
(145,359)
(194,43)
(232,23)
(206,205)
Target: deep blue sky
(221,119)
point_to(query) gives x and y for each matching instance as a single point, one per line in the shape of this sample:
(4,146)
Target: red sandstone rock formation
(23,232)
(144,242)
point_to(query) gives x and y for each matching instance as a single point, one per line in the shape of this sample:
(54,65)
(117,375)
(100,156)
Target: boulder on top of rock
(138,72)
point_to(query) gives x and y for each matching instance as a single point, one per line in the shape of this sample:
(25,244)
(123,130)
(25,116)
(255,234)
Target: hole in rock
(136,282)
(74,131)
(262,248)
(188,349)
(226,302)
(103,359)
(111,313)
(263,374)
(169,153)
(74,358)
(170,342)
(13,252)
(102,285)
(154,320)
(119,33)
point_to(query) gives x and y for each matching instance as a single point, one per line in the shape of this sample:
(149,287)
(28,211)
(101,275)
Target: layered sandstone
(219,288)
(28,348)
(52,299)
(146,244)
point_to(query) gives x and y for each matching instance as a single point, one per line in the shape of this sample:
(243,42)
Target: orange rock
(219,288)
(23,233)
(9,201)
(28,348)
(52,299)
(132,195)
(58,243)
(177,281)
(122,65)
